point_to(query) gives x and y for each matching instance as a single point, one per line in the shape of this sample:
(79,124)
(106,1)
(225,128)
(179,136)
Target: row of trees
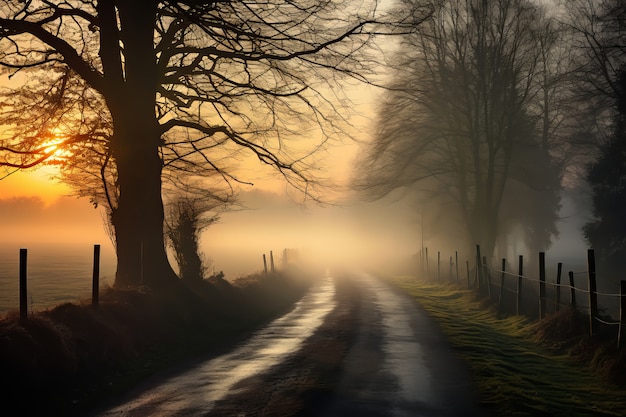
(491,107)
(603,78)
(489,104)
(137,97)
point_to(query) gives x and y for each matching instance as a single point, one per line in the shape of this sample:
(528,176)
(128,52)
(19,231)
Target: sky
(35,208)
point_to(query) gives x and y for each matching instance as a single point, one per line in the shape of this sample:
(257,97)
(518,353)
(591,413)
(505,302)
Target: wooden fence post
(476,284)
(427,271)
(487,275)
(622,314)
(572,289)
(557,299)
(479,268)
(520,274)
(95,282)
(450,274)
(264,263)
(469,284)
(502,283)
(23,285)
(272,261)
(438,266)
(456,264)
(593,296)
(141,262)
(542,285)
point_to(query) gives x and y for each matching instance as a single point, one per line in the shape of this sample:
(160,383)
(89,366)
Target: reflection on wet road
(399,363)
(194,392)
(404,356)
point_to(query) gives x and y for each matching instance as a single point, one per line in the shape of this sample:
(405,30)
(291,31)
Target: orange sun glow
(54,147)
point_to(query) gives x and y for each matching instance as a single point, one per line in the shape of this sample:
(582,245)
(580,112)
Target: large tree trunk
(138,219)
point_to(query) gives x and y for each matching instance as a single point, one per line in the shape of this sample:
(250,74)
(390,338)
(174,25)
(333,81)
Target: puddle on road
(194,392)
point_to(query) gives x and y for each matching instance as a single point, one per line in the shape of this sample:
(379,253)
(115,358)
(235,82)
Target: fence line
(606,322)
(552,284)
(23,280)
(95,287)
(607,295)
(485,279)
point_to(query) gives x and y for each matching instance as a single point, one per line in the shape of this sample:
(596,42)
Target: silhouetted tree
(147,88)
(463,124)
(187,215)
(601,26)
(607,176)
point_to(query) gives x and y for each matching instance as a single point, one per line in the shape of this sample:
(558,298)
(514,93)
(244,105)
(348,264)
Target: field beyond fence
(85,282)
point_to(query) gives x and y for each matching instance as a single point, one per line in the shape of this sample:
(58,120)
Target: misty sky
(33,209)
(351,232)
(270,221)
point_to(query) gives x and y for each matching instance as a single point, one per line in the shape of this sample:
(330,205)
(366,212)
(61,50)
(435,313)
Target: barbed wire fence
(522,290)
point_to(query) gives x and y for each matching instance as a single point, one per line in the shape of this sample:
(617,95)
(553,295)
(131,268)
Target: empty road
(353,346)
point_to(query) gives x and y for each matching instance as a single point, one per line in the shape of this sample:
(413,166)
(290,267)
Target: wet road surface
(386,357)
(399,363)
(194,392)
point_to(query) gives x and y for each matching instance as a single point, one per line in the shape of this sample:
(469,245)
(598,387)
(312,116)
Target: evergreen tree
(607,176)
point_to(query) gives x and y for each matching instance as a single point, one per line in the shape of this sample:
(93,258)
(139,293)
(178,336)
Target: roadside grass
(67,360)
(513,373)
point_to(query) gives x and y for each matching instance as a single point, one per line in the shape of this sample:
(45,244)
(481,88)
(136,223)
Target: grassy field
(513,373)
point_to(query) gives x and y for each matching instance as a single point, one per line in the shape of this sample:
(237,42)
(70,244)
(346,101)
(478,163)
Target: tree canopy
(132,92)
(468,122)
(601,29)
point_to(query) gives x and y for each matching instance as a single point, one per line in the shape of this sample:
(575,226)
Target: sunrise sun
(55,147)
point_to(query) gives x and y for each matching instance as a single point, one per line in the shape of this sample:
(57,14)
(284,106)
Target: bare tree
(599,26)
(149,87)
(468,122)
(595,50)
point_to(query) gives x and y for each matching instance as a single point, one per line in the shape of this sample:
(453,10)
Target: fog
(346,232)
(30,220)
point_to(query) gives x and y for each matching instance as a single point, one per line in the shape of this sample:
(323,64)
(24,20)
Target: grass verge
(67,360)
(513,373)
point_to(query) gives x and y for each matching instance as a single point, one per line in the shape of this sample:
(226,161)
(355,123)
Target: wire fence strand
(612,323)
(552,284)
(498,278)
